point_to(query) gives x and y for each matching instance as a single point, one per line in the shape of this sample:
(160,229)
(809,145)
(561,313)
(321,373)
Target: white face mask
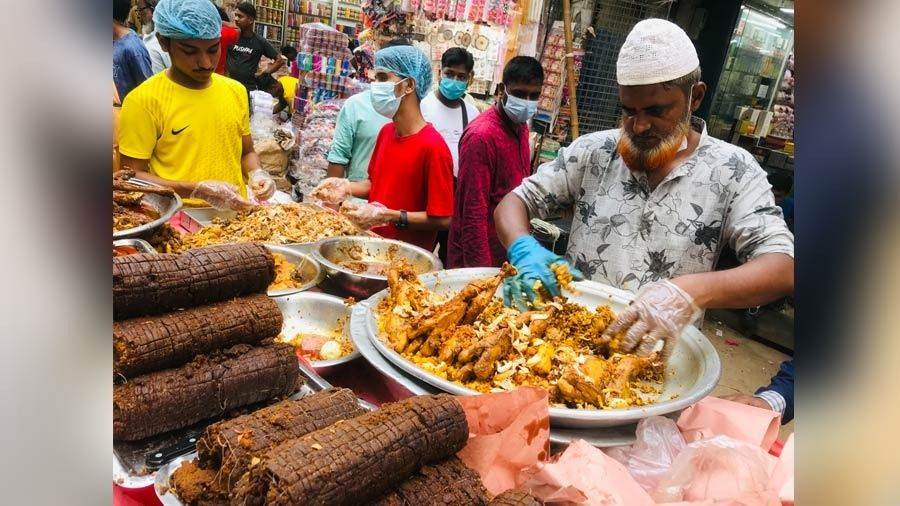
(384,100)
(518,109)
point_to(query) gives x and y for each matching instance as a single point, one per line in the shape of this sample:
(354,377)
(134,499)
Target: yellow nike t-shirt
(187,134)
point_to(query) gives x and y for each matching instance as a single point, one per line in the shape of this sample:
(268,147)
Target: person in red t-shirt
(410,185)
(230,34)
(494,157)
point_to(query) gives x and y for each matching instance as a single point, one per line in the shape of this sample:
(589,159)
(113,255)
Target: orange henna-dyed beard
(658,157)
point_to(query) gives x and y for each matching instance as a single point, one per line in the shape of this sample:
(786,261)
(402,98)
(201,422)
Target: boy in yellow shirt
(189,128)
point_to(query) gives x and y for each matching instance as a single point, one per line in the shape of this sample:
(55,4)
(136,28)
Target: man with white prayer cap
(654,203)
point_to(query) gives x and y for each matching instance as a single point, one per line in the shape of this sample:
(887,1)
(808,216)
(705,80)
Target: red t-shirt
(412,173)
(229,37)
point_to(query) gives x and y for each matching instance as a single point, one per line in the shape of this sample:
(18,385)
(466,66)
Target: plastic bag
(719,468)
(658,443)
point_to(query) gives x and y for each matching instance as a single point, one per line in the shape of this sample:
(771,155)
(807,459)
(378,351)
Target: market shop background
(56,315)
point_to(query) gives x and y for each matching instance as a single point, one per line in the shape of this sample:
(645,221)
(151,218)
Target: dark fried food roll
(205,388)
(153,343)
(515,497)
(358,460)
(446,483)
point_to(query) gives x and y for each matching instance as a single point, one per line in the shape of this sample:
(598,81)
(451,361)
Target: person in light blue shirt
(355,133)
(131,62)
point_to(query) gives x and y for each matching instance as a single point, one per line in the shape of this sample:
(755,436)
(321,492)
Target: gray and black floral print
(627,235)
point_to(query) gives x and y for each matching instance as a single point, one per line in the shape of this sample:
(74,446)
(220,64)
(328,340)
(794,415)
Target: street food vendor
(188,128)
(410,185)
(654,203)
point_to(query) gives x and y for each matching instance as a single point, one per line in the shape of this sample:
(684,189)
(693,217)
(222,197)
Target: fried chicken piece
(462,337)
(487,287)
(403,295)
(465,373)
(494,347)
(585,383)
(600,319)
(445,324)
(627,369)
(129,199)
(542,360)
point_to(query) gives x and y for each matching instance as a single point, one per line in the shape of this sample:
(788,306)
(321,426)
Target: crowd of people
(655,201)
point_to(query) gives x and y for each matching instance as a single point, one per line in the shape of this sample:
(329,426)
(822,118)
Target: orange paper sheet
(508,432)
(584,475)
(719,417)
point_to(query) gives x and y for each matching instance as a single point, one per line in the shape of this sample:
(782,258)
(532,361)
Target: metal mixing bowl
(310,270)
(332,253)
(165,205)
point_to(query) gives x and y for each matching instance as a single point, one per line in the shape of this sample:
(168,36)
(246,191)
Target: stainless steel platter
(165,205)
(692,372)
(335,252)
(601,437)
(316,313)
(310,270)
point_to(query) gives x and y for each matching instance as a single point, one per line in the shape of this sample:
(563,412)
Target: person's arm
(141,170)
(780,391)
(272,53)
(543,194)
(420,220)
(280,106)
(342,142)
(249,157)
(754,227)
(473,189)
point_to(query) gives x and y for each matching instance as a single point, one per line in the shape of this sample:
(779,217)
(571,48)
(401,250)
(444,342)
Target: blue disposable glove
(532,262)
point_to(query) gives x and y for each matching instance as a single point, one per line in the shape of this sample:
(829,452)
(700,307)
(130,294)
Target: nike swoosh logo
(176,132)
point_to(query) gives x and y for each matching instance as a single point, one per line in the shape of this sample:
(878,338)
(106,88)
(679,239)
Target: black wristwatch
(402,223)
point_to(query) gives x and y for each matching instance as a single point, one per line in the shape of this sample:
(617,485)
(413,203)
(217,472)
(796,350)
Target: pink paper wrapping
(508,432)
(584,475)
(719,417)
(783,475)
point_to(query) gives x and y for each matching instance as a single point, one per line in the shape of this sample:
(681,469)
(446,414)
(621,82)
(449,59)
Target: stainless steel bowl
(310,270)
(165,205)
(316,313)
(332,253)
(140,245)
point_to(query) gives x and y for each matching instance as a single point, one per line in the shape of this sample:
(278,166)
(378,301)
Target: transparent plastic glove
(221,195)
(532,262)
(366,215)
(262,184)
(654,320)
(332,190)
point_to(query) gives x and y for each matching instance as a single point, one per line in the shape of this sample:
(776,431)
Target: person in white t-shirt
(445,108)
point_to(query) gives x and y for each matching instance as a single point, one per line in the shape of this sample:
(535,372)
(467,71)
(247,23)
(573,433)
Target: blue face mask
(519,110)
(452,89)
(384,101)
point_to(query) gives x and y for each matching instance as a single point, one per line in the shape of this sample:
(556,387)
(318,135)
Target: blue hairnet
(187,19)
(406,61)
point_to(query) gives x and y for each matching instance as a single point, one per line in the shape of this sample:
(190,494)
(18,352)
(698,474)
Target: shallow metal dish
(140,245)
(316,313)
(332,252)
(165,205)
(310,270)
(692,372)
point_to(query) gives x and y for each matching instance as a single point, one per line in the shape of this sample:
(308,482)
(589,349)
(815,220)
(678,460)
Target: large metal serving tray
(165,205)
(691,374)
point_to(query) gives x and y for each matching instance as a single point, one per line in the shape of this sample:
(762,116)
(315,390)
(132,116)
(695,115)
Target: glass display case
(753,68)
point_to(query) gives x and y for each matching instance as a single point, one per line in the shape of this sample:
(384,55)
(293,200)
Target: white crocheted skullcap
(656,51)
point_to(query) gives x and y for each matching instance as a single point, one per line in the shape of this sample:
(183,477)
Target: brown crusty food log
(230,445)
(355,461)
(515,497)
(197,487)
(146,284)
(205,388)
(446,483)
(152,343)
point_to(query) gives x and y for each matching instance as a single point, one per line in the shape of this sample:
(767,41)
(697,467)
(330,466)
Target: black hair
(399,41)
(780,182)
(523,69)
(121,8)
(247,8)
(458,56)
(286,50)
(222,14)
(353,44)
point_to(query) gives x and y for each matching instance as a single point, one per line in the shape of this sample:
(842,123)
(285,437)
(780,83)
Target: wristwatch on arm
(402,223)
